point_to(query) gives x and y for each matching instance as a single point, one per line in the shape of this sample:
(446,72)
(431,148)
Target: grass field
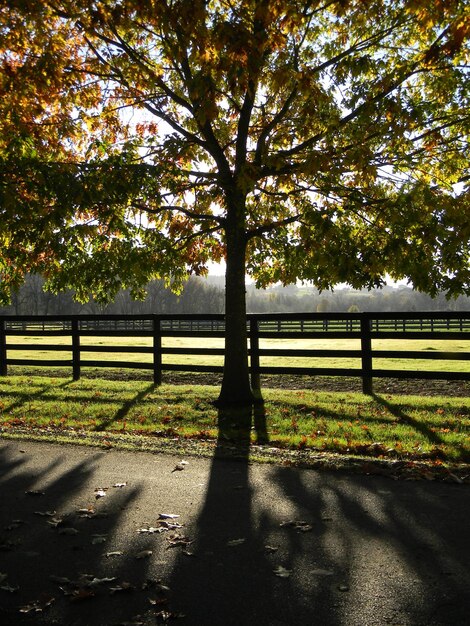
(400,427)
(454,346)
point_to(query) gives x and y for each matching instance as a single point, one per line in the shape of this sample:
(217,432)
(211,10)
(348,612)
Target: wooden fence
(363,326)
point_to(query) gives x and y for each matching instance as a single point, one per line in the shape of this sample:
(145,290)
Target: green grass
(404,427)
(426,345)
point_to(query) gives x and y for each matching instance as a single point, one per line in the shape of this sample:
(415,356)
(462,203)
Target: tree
(297,139)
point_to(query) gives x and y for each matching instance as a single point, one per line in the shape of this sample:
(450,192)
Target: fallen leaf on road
(115,553)
(299,525)
(180,466)
(68,531)
(124,586)
(164,525)
(282,572)
(322,572)
(166,616)
(45,513)
(168,516)
(100,492)
(235,542)
(119,485)
(157,585)
(100,581)
(82,594)
(97,539)
(88,512)
(271,549)
(34,492)
(151,530)
(178,540)
(37,606)
(61,580)
(143,554)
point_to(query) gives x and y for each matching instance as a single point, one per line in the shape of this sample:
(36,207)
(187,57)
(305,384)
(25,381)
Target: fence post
(3,348)
(157,351)
(75,350)
(366,350)
(254,354)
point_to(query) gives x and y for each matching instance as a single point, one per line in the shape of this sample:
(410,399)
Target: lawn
(333,361)
(435,429)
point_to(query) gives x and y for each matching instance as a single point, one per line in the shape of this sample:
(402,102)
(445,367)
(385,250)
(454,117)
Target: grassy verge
(423,345)
(434,430)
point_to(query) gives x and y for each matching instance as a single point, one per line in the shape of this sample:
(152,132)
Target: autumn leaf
(38,606)
(236,542)
(282,572)
(124,587)
(298,525)
(143,554)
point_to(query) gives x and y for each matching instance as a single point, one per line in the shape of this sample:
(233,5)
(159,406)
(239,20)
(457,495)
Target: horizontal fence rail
(364,327)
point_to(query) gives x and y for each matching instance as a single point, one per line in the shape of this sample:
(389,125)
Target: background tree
(319,140)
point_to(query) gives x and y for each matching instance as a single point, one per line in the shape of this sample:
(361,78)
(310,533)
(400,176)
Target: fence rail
(365,327)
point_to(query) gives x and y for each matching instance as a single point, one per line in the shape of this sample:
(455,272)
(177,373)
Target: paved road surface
(370,552)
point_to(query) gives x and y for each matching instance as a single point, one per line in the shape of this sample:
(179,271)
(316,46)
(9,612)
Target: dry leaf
(168,516)
(124,586)
(38,606)
(178,540)
(99,581)
(271,549)
(235,542)
(180,466)
(34,492)
(115,553)
(97,539)
(166,616)
(119,485)
(157,585)
(282,572)
(322,572)
(299,525)
(62,580)
(100,493)
(45,513)
(81,594)
(143,554)
(68,531)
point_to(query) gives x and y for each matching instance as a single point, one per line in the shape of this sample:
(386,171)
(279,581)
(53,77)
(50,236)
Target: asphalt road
(356,550)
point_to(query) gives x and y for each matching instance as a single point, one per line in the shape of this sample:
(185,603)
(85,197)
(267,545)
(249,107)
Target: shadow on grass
(24,398)
(417,425)
(279,546)
(423,429)
(126,407)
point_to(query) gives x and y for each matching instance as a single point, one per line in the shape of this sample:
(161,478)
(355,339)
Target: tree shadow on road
(280,546)
(55,533)
(240,572)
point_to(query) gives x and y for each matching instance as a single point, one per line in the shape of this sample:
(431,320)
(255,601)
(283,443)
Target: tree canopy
(296,139)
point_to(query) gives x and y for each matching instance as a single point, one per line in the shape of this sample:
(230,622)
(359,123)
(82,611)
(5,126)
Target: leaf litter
(298,525)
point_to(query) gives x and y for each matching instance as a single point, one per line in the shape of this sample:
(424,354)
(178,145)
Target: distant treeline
(207,296)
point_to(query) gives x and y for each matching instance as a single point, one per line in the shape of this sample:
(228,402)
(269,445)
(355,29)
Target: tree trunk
(236,388)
